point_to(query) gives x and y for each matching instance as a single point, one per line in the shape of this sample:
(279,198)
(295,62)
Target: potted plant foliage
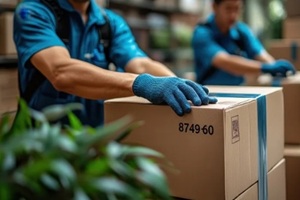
(43,160)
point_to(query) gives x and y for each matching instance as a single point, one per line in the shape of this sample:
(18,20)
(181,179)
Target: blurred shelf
(143,6)
(139,24)
(8,60)
(7,7)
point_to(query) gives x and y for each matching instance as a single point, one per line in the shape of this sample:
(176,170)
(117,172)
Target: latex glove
(171,90)
(279,68)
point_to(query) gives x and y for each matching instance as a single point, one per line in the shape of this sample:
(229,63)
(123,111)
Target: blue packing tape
(294,51)
(262,138)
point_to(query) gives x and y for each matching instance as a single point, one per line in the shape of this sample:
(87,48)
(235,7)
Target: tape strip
(262,138)
(294,51)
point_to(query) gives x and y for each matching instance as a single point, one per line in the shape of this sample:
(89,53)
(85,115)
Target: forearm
(236,64)
(265,57)
(147,65)
(88,81)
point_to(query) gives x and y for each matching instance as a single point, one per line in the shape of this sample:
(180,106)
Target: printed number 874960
(195,128)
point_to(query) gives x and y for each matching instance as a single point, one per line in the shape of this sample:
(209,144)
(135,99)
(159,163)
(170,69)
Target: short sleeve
(254,46)
(205,49)
(124,47)
(34,30)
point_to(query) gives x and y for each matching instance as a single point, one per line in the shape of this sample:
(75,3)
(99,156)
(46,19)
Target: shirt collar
(95,14)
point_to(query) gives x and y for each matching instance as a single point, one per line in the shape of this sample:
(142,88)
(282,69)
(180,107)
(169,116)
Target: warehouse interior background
(163,29)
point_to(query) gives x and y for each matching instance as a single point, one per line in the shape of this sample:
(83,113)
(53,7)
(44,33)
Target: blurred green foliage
(44,160)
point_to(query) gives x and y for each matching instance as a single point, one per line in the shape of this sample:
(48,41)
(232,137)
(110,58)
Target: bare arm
(265,57)
(81,78)
(147,65)
(236,64)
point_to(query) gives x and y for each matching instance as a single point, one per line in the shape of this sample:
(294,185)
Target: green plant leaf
(35,169)
(58,111)
(122,168)
(112,197)
(74,121)
(49,182)
(38,116)
(9,161)
(80,195)
(157,183)
(26,183)
(140,151)
(65,143)
(152,176)
(65,171)
(22,119)
(5,191)
(133,126)
(4,125)
(103,134)
(97,167)
(111,185)
(114,150)
(149,166)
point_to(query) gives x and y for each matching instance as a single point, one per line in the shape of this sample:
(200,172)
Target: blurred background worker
(225,49)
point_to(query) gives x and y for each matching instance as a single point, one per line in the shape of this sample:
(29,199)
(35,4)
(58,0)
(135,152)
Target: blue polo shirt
(35,30)
(208,41)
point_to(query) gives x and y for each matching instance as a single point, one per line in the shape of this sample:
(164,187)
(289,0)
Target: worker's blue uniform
(35,30)
(208,41)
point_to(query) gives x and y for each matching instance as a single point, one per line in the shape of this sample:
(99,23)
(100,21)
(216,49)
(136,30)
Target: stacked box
(9,92)
(292,156)
(292,8)
(291,94)
(215,147)
(288,49)
(276,185)
(9,3)
(7,45)
(291,25)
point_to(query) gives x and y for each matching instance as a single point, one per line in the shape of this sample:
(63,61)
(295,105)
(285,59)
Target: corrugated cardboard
(215,147)
(9,3)
(9,92)
(7,45)
(291,94)
(292,8)
(291,28)
(276,185)
(292,156)
(288,49)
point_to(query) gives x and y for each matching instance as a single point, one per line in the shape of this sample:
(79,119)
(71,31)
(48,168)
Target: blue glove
(279,68)
(171,90)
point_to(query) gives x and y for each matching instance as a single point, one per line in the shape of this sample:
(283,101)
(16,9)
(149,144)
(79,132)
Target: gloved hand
(279,68)
(171,90)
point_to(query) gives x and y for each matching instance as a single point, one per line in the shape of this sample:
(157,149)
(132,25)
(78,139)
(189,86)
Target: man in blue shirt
(225,49)
(76,70)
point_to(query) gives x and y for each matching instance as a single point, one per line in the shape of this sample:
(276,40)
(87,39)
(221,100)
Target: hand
(279,68)
(171,90)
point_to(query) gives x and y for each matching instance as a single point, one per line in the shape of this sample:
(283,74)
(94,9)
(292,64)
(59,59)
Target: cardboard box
(9,92)
(7,45)
(291,95)
(292,156)
(9,3)
(215,147)
(288,49)
(291,28)
(276,185)
(292,8)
